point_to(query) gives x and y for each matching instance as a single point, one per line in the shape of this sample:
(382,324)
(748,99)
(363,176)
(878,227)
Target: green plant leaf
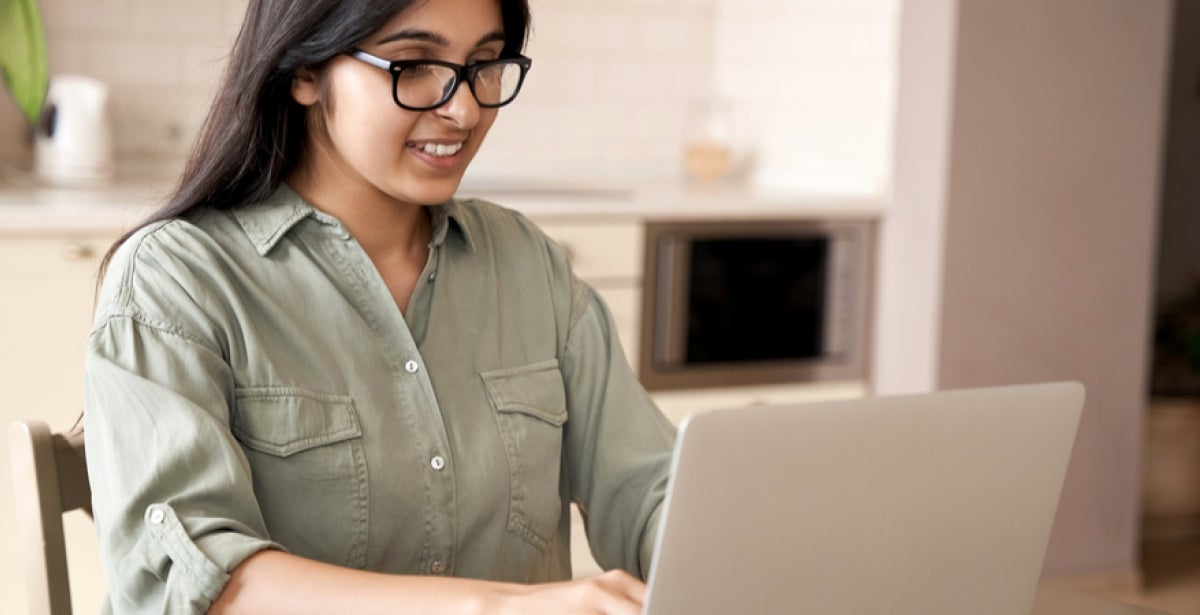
(23,64)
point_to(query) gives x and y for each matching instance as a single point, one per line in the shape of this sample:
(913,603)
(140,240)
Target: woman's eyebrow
(492,37)
(425,36)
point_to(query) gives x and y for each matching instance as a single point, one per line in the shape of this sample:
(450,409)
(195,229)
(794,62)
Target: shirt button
(437,567)
(157,516)
(437,462)
(432,276)
(411,366)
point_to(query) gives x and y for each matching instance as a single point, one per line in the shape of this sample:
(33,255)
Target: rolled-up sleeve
(171,491)
(619,444)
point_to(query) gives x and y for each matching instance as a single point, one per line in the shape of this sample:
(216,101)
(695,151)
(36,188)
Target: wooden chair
(50,478)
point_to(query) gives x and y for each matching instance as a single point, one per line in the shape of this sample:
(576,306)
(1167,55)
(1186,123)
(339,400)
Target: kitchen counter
(666,199)
(28,208)
(72,210)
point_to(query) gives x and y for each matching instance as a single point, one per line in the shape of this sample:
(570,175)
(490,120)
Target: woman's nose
(462,108)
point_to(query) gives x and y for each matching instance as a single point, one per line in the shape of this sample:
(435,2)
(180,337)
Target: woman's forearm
(274,582)
(277,582)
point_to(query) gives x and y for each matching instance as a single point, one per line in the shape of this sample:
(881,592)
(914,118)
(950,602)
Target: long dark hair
(254,133)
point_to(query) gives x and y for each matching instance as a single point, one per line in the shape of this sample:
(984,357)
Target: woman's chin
(436,200)
(430,195)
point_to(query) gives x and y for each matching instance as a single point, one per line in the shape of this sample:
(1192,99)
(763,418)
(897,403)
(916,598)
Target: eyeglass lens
(426,85)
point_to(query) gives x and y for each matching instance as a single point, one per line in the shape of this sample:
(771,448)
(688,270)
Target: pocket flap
(535,390)
(283,421)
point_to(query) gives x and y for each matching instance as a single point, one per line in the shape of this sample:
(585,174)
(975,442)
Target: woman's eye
(483,55)
(410,55)
(416,71)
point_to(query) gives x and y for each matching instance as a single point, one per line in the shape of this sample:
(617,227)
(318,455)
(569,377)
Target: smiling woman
(317,382)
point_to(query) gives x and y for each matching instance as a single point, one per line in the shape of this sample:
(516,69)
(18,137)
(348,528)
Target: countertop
(29,208)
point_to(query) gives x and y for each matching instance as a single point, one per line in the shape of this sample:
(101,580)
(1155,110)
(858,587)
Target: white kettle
(73,142)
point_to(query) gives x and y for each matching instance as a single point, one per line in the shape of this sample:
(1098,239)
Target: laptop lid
(937,503)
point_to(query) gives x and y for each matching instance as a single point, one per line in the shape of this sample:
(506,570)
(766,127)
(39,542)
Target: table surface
(1050,601)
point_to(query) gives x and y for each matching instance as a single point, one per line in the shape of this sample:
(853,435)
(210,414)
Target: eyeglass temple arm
(373,60)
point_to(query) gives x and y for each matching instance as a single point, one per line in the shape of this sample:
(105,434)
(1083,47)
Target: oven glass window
(756,299)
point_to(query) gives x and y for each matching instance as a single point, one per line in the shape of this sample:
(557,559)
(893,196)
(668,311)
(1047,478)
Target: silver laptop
(922,504)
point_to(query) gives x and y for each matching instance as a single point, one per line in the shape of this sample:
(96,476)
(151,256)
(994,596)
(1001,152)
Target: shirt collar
(446,216)
(266,222)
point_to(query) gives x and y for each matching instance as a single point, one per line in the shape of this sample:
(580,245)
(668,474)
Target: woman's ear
(306,88)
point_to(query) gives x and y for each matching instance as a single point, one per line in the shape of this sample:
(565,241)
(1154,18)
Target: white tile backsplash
(203,64)
(674,34)
(582,29)
(177,18)
(609,93)
(151,60)
(157,56)
(813,81)
(72,17)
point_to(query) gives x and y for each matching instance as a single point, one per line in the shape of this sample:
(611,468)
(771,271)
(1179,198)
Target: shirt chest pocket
(531,408)
(308,468)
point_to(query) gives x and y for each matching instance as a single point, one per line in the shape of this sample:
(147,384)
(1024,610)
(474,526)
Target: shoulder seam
(139,318)
(580,306)
(125,290)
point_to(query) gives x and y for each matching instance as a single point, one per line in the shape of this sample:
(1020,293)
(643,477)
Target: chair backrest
(50,478)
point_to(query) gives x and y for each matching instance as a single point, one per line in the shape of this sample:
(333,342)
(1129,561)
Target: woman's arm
(619,444)
(277,582)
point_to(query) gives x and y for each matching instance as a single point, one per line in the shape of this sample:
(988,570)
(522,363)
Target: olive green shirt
(251,384)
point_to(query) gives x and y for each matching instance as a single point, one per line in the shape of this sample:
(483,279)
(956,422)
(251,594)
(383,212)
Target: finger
(630,587)
(638,592)
(616,603)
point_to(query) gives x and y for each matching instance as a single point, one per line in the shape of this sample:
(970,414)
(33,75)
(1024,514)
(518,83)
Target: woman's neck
(387,229)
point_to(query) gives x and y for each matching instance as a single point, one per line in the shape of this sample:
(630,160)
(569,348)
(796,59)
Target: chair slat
(38,459)
(73,489)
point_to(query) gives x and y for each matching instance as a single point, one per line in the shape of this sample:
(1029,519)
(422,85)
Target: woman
(314,366)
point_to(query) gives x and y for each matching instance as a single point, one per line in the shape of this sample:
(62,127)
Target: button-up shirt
(252,384)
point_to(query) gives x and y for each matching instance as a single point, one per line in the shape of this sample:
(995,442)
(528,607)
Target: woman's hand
(612,593)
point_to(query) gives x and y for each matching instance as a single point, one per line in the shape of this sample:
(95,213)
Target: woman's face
(411,157)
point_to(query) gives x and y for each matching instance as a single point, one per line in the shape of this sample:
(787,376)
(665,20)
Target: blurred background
(1032,166)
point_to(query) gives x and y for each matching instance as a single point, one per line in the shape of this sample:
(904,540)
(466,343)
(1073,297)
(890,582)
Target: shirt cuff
(649,542)
(200,567)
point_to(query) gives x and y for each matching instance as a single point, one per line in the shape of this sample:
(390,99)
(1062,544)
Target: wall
(160,59)
(909,265)
(602,99)
(1051,211)
(606,99)
(813,83)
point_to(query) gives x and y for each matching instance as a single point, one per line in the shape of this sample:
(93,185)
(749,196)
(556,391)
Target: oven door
(765,302)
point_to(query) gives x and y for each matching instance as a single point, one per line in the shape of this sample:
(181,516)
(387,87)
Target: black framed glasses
(421,85)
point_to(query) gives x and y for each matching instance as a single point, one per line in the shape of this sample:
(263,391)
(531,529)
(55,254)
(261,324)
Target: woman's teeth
(441,150)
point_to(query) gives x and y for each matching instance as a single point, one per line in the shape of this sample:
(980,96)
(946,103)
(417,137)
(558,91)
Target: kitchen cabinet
(47,289)
(607,254)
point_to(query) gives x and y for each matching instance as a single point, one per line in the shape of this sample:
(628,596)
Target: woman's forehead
(444,22)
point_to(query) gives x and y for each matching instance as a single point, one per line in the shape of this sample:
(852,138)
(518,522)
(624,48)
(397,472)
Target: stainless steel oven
(729,303)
